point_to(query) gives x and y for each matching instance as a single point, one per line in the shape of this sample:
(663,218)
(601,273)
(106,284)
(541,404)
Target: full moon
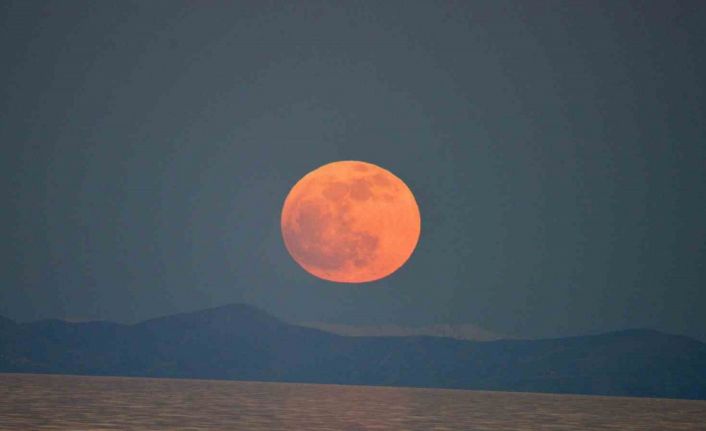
(350,222)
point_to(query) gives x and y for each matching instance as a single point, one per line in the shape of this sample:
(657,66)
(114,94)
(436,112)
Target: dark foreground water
(45,402)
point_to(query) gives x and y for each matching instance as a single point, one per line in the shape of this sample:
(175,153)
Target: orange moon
(350,222)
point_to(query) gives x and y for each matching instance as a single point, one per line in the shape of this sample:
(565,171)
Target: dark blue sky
(557,151)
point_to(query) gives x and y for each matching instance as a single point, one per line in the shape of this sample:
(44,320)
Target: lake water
(52,402)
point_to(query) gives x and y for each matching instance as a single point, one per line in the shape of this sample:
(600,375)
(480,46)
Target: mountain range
(240,342)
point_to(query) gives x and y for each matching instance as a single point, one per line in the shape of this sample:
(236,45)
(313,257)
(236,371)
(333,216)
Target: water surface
(54,402)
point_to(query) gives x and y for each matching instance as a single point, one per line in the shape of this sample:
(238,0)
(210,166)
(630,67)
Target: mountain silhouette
(240,342)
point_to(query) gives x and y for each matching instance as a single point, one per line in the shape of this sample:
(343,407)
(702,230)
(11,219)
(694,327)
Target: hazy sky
(557,151)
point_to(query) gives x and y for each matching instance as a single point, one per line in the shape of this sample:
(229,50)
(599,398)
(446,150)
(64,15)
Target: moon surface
(350,222)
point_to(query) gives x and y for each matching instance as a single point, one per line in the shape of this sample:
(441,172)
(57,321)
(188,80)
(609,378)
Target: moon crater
(316,225)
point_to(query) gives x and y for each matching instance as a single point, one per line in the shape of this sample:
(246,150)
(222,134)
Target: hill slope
(243,343)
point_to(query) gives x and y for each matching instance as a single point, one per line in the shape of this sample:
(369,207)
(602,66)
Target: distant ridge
(229,318)
(459,332)
(240,342)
